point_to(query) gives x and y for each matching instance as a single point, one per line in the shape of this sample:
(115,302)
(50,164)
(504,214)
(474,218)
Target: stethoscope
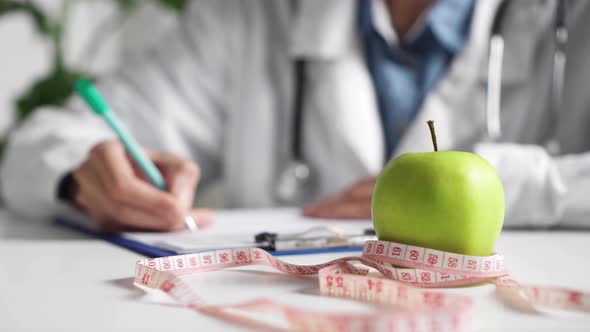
(494,83)
(295,180)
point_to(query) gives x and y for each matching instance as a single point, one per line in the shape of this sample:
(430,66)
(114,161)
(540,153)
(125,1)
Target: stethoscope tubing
(495,66)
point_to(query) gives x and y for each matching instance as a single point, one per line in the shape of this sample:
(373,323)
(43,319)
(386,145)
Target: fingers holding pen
(121,184)
(181,175)
(108,186)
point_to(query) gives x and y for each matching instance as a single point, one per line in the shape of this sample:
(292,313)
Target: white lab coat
(220,91)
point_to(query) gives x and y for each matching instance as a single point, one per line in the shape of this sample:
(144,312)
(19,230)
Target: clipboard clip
(314,238)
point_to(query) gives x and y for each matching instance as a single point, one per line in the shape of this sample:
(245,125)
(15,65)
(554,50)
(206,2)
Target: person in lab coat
(213,102)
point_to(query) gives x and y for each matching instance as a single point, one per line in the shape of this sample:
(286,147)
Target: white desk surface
(52,279)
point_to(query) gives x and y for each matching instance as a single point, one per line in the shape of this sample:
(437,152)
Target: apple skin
(449,200)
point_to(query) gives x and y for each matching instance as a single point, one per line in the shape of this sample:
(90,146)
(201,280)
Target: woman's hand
(352,203)
(113,191)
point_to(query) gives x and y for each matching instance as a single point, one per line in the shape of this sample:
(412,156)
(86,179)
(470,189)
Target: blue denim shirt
(404,76)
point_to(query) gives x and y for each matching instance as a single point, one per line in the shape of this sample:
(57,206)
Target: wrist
(67,188)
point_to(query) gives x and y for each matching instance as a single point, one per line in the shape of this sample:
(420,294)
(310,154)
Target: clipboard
(135,246)
(312,237)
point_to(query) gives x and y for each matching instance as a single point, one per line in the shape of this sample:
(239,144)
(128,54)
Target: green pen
(88,92)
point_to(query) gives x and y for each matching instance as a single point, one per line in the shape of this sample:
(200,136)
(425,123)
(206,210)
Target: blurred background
(94,36)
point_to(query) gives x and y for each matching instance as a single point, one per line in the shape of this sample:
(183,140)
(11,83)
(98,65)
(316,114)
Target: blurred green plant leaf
(53,89)
(177,5)
(127,4)
(39,18)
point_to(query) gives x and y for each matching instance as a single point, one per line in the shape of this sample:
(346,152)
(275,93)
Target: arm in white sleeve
(540,190)
(170,98)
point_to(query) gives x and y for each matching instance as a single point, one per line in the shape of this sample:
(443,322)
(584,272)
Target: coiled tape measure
(404,290)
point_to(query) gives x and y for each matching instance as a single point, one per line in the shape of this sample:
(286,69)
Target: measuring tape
(402,288)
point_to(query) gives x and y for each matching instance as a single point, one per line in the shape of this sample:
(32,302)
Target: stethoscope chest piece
(295,183)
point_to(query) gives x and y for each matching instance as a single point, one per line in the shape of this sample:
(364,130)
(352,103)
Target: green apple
(451,201)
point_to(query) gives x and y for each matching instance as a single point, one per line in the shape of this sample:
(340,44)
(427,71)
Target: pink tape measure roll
(407,301)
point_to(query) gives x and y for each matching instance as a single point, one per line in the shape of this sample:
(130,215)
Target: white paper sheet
(237,228)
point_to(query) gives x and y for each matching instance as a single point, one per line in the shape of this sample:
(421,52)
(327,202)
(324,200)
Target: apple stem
(432,134)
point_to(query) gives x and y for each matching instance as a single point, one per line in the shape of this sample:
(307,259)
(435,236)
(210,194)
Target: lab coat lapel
(326,33)
(456,104)
(344,95)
